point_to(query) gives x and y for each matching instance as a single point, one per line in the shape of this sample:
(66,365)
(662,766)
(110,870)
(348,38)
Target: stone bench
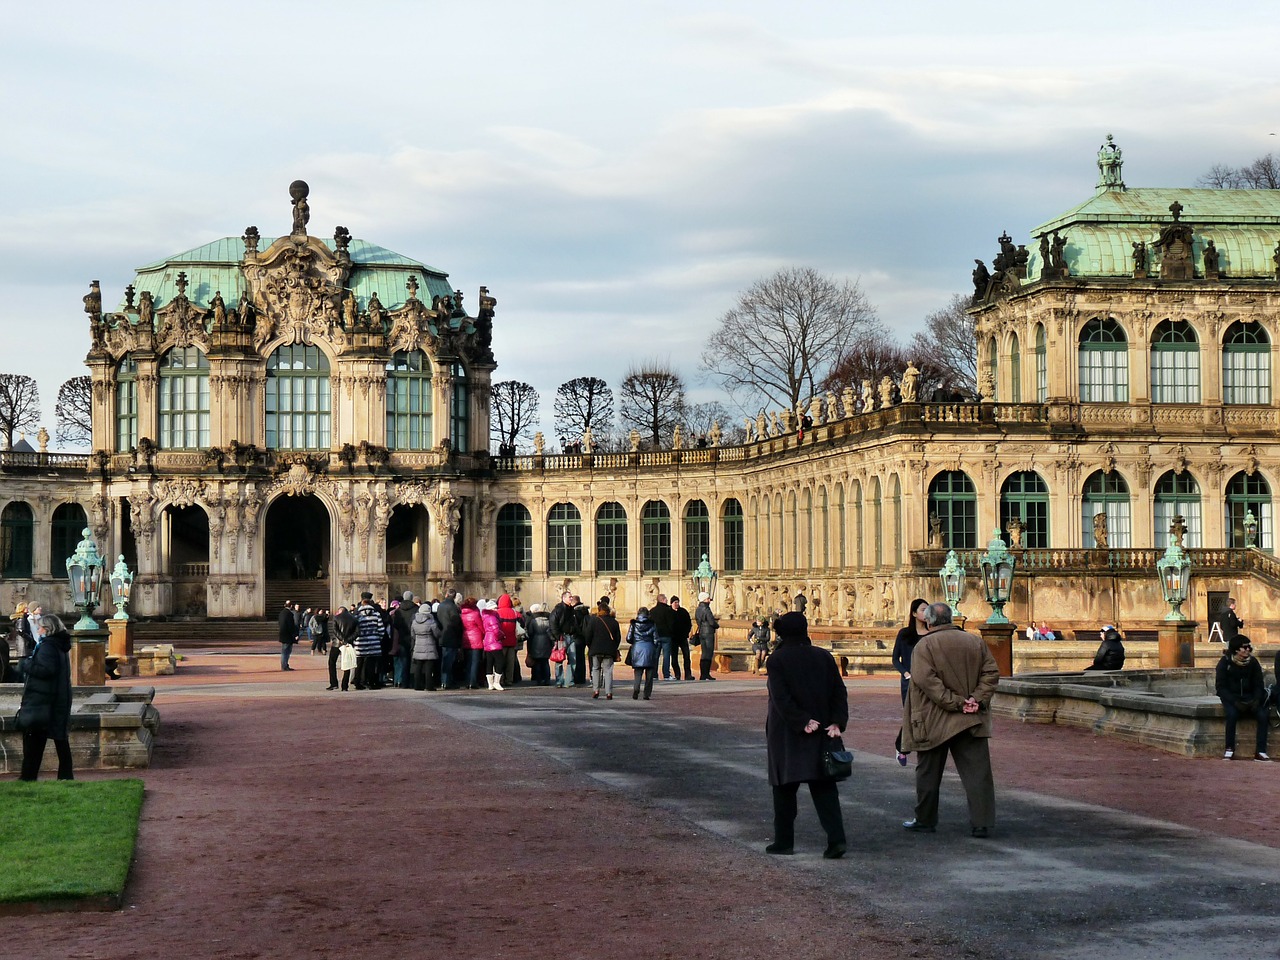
(157,660)
(109,728)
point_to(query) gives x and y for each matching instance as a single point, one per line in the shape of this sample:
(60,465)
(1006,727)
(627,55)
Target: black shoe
(779,849)
(833,852)
(332,686)
(982,833)
(917,827)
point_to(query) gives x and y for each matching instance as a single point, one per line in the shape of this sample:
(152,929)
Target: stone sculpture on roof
(1175,246)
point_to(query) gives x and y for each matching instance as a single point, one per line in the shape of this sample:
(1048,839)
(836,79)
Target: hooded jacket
(644,643)
(509,618)
(425,630)
(47,675)
(472,626)
(492,624)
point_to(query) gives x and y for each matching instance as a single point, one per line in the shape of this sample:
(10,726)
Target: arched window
(564,539)
(514,539)
(1249,494)
(1015,369)
(1246,364)
(858,531)
(611,538)
(790,539)
(733,546)
(126,404)
(1104,362)
(1025,497)
(17,540)
(459,410)
(877,523)
(1106,494)
(184,399)
(298,404)
(824,529)
(779,542)
(1042,365)
(1175,363)
(954,501)
(1177,494)
(655,537)
(409,401)
(806,527)
(697,533)
(65,530)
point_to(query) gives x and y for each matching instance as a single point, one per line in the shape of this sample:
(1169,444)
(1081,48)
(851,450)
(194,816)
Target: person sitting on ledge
(1110,655)
(1239,685)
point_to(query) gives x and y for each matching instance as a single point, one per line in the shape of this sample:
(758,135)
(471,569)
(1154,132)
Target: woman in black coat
(47,693)
(808,710)
(1110,655)
(903,645)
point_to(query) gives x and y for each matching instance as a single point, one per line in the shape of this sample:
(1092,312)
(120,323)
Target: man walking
(681,628)
(288,634)
(664,620)
(953,677)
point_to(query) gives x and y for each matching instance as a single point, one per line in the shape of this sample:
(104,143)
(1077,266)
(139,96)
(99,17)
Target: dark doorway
(297,539)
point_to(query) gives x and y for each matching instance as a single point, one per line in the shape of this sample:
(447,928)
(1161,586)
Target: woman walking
(45,711)
(808,710)
(644,652)
(903,645)
(604,638)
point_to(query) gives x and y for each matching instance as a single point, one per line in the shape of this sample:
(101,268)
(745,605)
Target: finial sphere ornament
(298,190)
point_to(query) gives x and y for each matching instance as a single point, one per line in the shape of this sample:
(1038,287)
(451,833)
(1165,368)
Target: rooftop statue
(298,191)
(1211,271)
(981,279)
(1140,259)
(250,239)
(93,299)
(1109,165)
(908,386)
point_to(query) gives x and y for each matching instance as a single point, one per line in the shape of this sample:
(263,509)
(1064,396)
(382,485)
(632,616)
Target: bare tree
(785,333)
(74,411)
(581,403)
(514,409)
(19,405)
(873,358)
(652,400)
(949,342)
(1262,174)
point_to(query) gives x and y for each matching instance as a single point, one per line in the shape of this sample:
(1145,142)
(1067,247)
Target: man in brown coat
(953,677)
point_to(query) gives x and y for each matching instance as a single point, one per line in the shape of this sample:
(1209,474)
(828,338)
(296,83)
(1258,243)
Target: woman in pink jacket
(472,639)
(492,643)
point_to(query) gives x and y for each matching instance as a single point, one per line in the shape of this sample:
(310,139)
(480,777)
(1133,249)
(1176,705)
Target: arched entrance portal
(407,548)
(186,558)
(296,553)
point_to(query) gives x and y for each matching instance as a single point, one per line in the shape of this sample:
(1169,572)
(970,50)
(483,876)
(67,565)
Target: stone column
(999,640)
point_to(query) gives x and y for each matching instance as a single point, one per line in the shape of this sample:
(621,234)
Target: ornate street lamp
(1250,529)
(121,584)
(952,576)
(997,577)
(84,570)
(1174,571)
(704,579)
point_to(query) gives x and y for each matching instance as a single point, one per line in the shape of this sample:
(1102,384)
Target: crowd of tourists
(450,643)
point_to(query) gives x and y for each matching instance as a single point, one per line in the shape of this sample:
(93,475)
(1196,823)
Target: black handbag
(837,762)
(33,716)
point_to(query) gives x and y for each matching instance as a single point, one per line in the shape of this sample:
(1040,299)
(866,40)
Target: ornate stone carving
(346,513)
(178,493)
(363,514)
(298,191)
(1175,246)
(142,517)
(886,393)
(909,378)
(93,301)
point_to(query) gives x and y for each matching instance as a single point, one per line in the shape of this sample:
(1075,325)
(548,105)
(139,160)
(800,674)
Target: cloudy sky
(614,173)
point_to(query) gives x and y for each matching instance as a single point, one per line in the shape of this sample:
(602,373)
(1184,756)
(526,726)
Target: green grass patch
(67,839)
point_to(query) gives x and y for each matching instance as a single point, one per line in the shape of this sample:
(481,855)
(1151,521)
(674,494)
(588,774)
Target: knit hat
(407,596)
(704,597)
(791,625)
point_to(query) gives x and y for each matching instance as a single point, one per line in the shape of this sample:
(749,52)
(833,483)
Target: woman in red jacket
(509,617)
(472,639)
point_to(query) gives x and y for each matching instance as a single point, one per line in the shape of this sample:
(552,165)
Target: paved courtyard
(282,821)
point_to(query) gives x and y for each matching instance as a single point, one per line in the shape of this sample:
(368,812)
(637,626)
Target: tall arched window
(298,403)
(184,399)
(824,528)
(17,541)
(127,404)
(859,539)
(1249,494)
(993,367)
(655,537)
(564,539)
(1246,364)
(459,409)
(1025,496)
(409,401)
(779,541)
(1015,369)
(514,540)
(841,528)
(1106,494)
(611,538)
(1177,494)
(1175,363)
(734,548)
(1104,362)
(895,518)
(1042,365)
(791,539)
(954,501)
(877,523)
(806,527)
(65,530)
(697,533)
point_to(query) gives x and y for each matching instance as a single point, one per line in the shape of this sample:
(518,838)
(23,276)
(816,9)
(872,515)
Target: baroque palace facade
(273,417)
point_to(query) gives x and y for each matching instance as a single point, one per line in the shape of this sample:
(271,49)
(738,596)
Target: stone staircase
(307,593)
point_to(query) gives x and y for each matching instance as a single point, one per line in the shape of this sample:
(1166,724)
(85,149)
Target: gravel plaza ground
(282,820)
